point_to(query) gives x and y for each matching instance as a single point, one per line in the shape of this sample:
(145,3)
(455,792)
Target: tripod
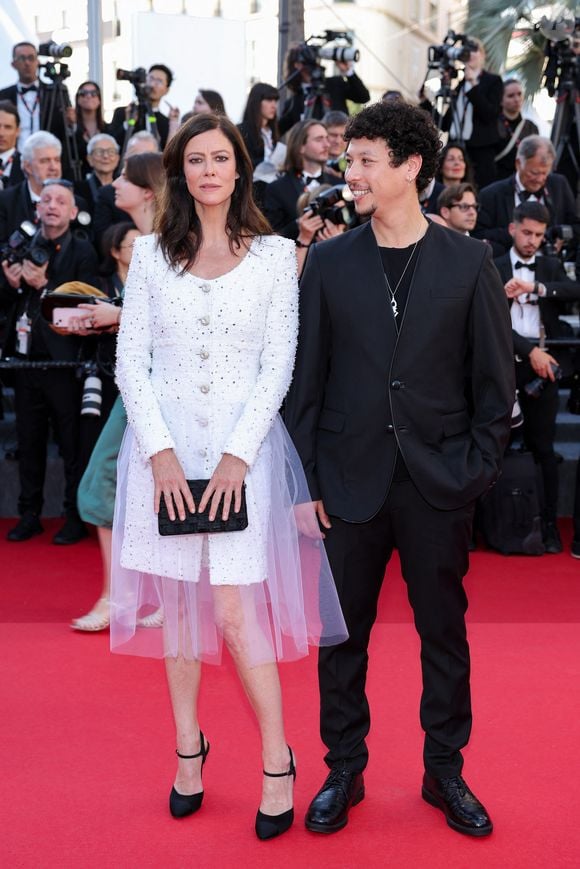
(566,123)
(141,117)
(59,100)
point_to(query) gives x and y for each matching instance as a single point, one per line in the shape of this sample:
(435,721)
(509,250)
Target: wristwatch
(301,244)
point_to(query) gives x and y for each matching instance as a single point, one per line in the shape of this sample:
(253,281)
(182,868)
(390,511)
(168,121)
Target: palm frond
(498,24)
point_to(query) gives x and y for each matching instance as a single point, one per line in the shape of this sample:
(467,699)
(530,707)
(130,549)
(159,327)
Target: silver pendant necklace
(393,293)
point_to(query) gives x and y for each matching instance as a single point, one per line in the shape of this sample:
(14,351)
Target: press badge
(23,330)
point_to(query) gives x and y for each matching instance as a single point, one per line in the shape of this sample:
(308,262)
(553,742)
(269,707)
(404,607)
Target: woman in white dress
(204,360)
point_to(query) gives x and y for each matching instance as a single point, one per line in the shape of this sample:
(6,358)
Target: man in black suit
(127,120)
(337,89)
(33,98)
(400,410)
(10,167)
(40,161)
(534,182)
(472,117)
(306,158)
(536,286)
(45,395)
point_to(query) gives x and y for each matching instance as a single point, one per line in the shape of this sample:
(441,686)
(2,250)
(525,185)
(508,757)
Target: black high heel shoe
(182,805)
(270,826)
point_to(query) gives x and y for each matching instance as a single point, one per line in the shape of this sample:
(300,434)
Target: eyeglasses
(463,206)
(104,152)
(62,182)
(88,93)
(25,58)
(152,79)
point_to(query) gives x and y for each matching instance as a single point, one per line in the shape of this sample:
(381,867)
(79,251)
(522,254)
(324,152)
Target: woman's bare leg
(262,686)
(183,678)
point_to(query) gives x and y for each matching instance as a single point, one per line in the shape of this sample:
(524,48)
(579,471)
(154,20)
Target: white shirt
(6,162)
(28,106)
(525,317)
(532,197)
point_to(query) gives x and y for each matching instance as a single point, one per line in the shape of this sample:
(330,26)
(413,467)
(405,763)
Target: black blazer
(106,213)
(16,173)
(485,98)
(559,288)
(16,206)
(497,208)
(45,92)
(117,127)
(338,89)
(360,389)
(280,198)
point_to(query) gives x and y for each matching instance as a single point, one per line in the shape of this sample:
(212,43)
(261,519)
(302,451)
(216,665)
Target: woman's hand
(329,230)
(226,481)
(308,226)
(102,315)
(170,482)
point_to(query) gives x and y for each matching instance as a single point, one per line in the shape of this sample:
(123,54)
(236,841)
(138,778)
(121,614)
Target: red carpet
(86,744)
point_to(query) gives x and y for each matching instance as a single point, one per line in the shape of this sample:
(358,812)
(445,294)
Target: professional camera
(570,235)
(25,243)
(138,78)
(534,388)
(316,48)
(562,71)
(52,49)
(325,205)
(444,57)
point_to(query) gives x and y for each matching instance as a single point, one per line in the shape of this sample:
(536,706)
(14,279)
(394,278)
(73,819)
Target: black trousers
(433,547)
(539,432)
(43,397)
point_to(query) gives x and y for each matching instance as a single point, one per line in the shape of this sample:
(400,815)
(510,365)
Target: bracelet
(301,244)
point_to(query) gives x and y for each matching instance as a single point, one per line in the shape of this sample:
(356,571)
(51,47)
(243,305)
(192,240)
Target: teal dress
(96,493)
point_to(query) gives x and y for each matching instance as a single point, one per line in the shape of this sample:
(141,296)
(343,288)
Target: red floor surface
(86,738)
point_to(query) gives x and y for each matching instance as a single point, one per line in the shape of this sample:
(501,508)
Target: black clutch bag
(199,523)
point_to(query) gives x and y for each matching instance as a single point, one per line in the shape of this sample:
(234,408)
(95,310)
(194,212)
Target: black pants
(433,547)
(43,397)
(539,432)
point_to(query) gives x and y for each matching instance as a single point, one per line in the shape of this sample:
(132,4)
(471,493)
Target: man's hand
(329,230)
(35,276)
(515,287)
(307,518)
(308,226)
(541,362)
(13,273)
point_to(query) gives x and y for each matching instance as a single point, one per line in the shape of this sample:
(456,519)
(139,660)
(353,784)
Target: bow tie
(521,265)
(26,90)
(306,179)
(525,194)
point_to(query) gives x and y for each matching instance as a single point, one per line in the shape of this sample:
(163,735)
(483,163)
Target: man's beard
(368,212)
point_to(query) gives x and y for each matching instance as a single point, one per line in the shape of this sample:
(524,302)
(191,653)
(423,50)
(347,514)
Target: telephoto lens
(92,398)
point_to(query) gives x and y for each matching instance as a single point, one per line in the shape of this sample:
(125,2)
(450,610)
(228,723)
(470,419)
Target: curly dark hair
(177,223)
(406,129)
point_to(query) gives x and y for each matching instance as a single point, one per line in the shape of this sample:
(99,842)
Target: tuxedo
(372,397)
(497,209)
(45,95)
(16,205)
(16,173)
(337,90)
(118,131)
(280,198)
(539,428)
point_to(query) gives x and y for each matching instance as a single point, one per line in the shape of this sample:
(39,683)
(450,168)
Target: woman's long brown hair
(177,223)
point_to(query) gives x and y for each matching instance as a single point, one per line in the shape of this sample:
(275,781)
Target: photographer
(335,123)
(533,181)
(458,207)
(535,286)
(336,89)
(316,221)
(32,97)
(103,158)
(53,256)
(306,158)
(10,165)
(512,128)
(145,114)
(472,116)
(40,161)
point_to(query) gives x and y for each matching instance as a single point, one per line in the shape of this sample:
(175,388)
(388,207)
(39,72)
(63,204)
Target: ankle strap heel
(270,826)
(291,771)
(182,805)
(203,751)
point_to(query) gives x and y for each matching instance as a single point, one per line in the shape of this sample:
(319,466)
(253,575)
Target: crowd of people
(261,203)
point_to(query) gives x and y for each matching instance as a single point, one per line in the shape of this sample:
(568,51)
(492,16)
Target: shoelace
(454,787)
(339,777)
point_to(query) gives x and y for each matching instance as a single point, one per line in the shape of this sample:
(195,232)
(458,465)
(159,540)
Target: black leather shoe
(72,531)
(28,527)
(460,806)
(328,811)
(552,540)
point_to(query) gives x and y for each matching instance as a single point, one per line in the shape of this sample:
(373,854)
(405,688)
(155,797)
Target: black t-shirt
(399,265)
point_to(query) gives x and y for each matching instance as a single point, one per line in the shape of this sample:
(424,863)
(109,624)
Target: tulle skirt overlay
(275,583)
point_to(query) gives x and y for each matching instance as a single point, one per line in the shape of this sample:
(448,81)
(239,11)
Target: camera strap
(511,142)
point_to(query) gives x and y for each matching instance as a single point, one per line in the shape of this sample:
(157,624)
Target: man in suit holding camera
(536,286)
(397,317)
(42,395)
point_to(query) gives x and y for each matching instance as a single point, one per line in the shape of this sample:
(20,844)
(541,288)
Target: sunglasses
(86,92)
